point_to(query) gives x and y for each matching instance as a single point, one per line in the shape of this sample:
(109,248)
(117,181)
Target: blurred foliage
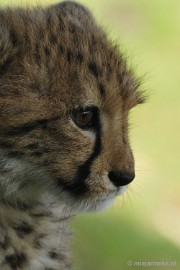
(144,225)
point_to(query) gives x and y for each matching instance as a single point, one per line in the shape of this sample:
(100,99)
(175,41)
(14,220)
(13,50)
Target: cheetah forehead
(61,51)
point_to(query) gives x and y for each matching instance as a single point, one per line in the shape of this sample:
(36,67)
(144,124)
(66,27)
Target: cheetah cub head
(65,95)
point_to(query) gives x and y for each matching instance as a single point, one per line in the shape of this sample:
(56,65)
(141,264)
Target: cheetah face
(100,161)
(107,169)
(66,92)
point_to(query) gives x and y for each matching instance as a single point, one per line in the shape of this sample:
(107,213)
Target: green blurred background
(144,224)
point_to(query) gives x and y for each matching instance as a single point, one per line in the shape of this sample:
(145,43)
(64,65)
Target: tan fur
(54,60)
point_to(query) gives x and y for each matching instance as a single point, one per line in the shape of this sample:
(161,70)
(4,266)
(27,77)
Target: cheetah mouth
(113,194)
(99,202)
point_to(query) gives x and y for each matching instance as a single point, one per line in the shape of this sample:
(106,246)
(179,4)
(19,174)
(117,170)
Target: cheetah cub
(65,94)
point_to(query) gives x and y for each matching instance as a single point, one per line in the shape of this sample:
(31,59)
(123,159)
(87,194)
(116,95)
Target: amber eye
(85,118)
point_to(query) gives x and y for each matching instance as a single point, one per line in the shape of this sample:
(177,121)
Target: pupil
(84,118)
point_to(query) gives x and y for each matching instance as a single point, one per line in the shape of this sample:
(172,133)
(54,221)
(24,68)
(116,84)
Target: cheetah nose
(121,178)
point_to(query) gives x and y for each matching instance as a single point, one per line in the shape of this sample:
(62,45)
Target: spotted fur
(53,61)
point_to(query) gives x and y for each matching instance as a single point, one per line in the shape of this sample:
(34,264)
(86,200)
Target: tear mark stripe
(78,186)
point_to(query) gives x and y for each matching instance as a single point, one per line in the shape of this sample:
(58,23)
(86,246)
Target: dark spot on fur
(40,152)
(14,38)
(23,185)
(53,39)
(121,77)
(92,49)
(73,76)
(94,46)
(49,21)
(70,56)
(47,51)
(35,87)
(124,140)
(72,29)
(32,146)
(16,260)
(75,39)
(27,127)
(4,66)
(5,243)
(41,34)
(53,255)
(47,162)
(43,123)
(61,25)
(13,154)
(44,214)
(37,55)
(26,39)
(37,242)
(101,88)
(109,71)
(80,57)
(23,229)
(4,170)
(19,205)
(61,49)
(94,69)
(37,153)
(6,145)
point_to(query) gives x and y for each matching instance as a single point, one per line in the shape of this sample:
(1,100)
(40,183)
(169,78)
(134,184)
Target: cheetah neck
(35,238)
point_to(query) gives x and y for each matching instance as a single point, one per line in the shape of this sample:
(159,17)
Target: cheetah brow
(27,127)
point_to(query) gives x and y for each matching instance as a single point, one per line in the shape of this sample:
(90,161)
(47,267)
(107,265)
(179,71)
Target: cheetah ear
(75,12)
(73,8)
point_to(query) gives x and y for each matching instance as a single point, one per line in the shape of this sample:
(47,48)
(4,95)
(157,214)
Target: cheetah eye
(85,118)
